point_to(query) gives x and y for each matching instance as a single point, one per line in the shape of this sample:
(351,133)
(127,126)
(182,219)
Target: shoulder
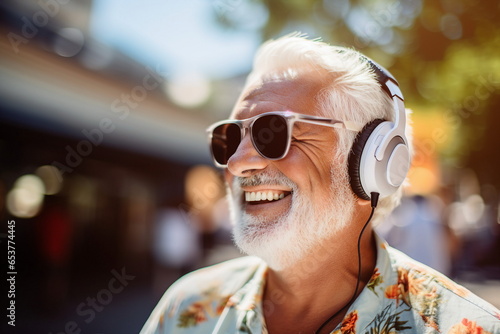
(200,296)
(226,278)
(440,302)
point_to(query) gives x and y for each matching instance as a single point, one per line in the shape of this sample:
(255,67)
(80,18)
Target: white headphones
(380,158)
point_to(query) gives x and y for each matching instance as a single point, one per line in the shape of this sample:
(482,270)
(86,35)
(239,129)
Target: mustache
(267,178)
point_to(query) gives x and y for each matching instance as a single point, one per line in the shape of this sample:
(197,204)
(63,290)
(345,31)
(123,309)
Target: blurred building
(92,147)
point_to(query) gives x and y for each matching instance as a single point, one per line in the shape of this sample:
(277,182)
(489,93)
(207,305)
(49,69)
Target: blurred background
(104,162)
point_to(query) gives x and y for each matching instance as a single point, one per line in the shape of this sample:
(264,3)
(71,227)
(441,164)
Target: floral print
(193,315)
(375,281)
(414,291)
(467,327)
(348,325)
(388,322)
(402,296)
(209,307)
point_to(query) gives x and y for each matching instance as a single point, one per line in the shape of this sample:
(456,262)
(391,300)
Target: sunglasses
(270,132)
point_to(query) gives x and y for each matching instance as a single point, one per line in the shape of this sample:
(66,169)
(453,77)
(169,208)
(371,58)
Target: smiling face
(283,208)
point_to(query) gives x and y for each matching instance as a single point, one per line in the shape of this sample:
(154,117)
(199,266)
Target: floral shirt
(402,296)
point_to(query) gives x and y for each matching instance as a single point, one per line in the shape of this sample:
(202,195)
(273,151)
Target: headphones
(380,158)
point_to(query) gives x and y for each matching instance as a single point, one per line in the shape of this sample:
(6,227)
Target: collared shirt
(402,296)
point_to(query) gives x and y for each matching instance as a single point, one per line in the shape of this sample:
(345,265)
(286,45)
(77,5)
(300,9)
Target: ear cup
(380,157)
(354,161)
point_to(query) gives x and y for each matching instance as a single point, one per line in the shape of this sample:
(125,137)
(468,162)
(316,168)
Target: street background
(104,164)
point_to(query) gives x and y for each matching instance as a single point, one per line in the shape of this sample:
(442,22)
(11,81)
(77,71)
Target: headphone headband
(383,77)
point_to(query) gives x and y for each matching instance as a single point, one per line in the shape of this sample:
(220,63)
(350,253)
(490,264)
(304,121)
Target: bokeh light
(51,177)
(26,197)
(69,42)
(188,90)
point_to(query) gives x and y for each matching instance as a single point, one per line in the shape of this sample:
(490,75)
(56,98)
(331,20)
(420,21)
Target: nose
(246,161)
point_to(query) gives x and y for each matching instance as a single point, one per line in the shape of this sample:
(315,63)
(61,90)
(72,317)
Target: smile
(257,197)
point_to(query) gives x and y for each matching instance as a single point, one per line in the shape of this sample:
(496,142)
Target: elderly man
(315,152)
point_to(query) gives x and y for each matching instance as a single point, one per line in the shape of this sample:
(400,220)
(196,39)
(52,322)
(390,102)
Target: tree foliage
(445,54)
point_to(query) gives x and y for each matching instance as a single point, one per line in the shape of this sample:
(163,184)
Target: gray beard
(287,239)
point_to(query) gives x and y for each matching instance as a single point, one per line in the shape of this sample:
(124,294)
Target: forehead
(297,93)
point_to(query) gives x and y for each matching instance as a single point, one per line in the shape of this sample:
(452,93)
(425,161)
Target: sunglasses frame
(290,119)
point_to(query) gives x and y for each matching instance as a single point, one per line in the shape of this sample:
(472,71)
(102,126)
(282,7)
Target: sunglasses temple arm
(348,125)
(353,126)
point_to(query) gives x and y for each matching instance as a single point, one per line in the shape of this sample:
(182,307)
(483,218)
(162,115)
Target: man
(303,184)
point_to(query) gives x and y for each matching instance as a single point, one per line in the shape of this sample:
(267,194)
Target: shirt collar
(372,299)
(247,302)
(248,298)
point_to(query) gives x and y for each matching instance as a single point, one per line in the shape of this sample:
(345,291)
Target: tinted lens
(270,136)
(225,141)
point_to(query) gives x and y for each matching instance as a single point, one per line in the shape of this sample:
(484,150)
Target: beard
(283,240)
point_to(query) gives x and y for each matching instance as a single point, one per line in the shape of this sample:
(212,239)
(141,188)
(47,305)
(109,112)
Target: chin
(288,239)
(268,240)
(283,240)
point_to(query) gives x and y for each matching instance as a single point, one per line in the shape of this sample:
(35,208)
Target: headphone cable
(374,202)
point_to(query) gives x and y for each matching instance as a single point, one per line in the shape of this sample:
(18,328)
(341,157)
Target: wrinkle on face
(322,196)
(274,94)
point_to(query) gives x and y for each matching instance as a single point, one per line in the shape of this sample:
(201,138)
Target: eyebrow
(255,92)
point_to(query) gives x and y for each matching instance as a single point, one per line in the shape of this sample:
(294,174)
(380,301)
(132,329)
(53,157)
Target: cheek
(312,176)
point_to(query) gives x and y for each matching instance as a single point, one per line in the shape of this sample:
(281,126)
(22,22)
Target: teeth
(262,196)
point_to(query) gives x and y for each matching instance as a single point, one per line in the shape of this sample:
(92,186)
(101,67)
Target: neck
(319,286)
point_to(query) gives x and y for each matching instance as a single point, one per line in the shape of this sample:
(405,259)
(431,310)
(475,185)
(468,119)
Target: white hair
(353,93)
